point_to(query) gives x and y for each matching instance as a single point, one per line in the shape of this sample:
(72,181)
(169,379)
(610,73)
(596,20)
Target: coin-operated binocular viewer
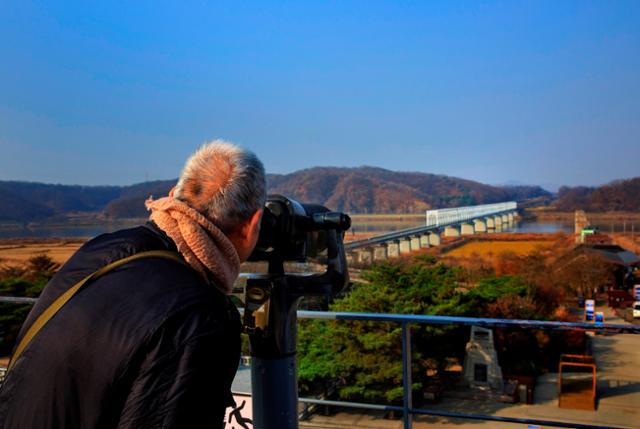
(290,231)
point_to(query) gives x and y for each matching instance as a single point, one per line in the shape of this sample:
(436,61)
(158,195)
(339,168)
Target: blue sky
(541,92)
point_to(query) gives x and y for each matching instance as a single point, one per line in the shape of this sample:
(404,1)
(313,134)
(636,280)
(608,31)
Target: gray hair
(224,182)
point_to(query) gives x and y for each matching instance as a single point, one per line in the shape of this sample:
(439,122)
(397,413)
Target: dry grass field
(631,243)
(16,252)
(491,247)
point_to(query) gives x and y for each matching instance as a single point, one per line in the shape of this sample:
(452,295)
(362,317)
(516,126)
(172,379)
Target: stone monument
(481,367)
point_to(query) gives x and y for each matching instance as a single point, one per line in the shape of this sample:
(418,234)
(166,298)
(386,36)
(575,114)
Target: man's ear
(252,226)
(246,236)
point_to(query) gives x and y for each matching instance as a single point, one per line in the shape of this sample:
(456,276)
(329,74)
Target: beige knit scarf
(200,242)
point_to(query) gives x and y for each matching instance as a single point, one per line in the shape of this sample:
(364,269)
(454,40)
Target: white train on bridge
(455,215)
(449,222)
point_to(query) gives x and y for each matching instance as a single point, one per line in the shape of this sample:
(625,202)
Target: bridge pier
(424,240)
(505,219)
(380,253)
(452,231)
(350,257)
(490,221)
(434,239)
(480,225)
(467,229)
(415,243)
(405,246)
(365,256)
(393,249)
(498,221)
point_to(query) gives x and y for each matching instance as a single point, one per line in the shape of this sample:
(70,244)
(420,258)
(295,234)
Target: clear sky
(539,92)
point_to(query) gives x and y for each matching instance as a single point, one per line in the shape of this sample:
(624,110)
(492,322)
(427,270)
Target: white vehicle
(636,310)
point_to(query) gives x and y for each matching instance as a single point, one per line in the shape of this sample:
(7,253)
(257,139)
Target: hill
(620,195)
(27,201)
(376,190)
(354,190)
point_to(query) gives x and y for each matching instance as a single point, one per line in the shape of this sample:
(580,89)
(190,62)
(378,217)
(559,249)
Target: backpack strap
(50,311)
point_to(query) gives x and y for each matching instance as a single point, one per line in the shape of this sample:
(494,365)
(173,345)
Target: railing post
(406,375)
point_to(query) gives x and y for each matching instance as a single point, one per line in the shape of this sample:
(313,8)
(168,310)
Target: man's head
(227,184)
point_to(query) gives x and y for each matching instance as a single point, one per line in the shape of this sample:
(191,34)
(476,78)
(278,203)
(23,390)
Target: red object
(619,298)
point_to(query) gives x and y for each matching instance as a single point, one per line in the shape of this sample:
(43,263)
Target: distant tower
(581,221)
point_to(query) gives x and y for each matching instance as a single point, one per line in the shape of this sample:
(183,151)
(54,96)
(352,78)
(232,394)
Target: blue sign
(589,310)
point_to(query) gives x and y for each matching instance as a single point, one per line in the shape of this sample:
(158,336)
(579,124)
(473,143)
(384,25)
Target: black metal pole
(275,393)
(274,380)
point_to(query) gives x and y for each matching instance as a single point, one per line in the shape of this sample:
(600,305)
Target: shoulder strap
(65,297)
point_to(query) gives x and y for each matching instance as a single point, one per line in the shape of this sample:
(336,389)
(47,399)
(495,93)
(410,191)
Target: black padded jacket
(148,345)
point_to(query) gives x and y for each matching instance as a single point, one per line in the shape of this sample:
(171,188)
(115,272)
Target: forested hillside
(354,190)
(621,195)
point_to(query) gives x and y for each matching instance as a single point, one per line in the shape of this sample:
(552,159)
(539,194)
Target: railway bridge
(449,222)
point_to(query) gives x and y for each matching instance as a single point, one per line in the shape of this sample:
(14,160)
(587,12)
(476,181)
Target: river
(524,226)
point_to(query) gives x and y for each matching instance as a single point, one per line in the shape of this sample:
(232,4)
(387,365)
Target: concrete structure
(393,249)
(424,240)
(415,243)
(580,221)
(434,239)
(481,367)
(497,220)
(505,219)
(480,225)
(365,255)
(380,253)
(490,222)
(467,229)
(405,245)
(452,231)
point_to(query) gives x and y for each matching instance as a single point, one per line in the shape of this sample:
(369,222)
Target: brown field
(16,252)
(541,213)
(629,242)
(483,248)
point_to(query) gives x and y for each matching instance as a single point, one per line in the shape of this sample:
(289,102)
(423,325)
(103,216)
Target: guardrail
(391,236)
(406,320)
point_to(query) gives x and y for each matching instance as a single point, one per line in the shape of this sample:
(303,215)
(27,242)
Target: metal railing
(407,320)
(443,217)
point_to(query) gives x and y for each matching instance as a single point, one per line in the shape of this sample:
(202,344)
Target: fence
(407,320)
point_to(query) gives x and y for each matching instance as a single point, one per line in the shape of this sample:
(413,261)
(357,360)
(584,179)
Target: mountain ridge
(364,189)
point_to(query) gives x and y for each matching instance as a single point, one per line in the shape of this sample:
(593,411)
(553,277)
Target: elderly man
(154,341)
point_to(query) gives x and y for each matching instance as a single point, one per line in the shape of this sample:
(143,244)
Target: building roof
(614,254)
